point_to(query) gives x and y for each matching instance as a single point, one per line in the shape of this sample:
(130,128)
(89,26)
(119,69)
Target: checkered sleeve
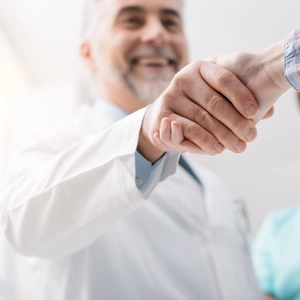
(292,59)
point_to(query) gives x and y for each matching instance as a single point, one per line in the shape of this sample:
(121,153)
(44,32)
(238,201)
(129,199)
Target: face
(139,45)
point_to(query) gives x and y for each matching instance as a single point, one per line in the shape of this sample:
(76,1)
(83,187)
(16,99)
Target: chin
(147,86)
(149,92)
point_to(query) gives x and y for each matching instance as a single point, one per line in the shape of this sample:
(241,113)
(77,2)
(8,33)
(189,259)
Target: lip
(153,62)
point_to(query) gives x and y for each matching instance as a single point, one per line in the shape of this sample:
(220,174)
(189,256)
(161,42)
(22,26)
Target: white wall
(266,175)
(45,34)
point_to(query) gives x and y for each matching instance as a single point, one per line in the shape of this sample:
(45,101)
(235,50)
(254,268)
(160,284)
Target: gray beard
(147,91)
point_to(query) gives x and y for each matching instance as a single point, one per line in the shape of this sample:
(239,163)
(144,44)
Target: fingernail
(250,110)
(250,134)
(219,147)
(239,146)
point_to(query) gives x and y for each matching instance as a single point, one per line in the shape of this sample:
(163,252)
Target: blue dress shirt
(147,174)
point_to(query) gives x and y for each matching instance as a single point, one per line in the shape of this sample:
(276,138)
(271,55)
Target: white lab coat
(71,203)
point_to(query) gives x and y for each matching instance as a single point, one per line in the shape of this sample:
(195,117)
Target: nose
(154,32)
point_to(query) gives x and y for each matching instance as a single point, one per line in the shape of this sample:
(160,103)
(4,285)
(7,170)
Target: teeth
(153,61)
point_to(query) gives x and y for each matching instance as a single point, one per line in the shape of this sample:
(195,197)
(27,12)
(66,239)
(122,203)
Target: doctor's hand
(205,109)
(261,72)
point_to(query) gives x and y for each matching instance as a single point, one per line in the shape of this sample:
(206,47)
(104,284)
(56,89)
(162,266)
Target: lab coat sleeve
(56,202)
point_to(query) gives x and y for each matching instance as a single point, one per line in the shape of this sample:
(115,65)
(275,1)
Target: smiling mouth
(154,62)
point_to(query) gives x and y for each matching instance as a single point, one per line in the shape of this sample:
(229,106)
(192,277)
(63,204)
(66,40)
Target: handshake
(214,104)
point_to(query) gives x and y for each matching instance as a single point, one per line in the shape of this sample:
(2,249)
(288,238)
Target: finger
(205,100)
(169,138)
(202,138)
(165,131)
(160,144)
(188,146)
(176,141)
(207,125)
(176,133)
(228,85)
(161,138)
(171,134)
(181,143)
(270,113)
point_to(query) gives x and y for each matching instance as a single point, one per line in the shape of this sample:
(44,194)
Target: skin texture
(210,121)
(129,31)
(137,55)
(262,73)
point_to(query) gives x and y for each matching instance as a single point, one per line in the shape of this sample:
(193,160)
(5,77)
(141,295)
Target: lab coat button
(139,180)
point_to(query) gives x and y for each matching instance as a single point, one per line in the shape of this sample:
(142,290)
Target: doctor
(103,210)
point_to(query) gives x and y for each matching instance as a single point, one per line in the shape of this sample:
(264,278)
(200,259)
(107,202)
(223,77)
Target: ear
(86,54)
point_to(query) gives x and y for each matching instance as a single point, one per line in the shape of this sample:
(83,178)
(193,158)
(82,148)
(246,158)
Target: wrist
(272,59)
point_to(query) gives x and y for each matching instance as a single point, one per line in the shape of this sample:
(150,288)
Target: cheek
(122,45)
(102,48)
(108,53)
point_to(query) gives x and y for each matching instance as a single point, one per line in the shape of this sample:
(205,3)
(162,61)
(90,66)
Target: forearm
(55,204)
(272,59)
(270,80)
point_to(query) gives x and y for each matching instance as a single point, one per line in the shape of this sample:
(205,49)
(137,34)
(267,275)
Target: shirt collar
(112,110)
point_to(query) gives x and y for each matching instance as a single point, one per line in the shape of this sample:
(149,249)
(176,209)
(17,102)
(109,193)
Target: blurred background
(41,84)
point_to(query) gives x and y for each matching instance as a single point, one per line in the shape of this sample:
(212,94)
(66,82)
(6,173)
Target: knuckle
(181,84)
(162,113)
(167,98)
(178,80)
(224,77)
(219,107)
(203,117)
(189,131)
(165,106)
(216,103)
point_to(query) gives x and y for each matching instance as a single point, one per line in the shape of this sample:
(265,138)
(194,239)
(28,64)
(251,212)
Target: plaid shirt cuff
(292,59)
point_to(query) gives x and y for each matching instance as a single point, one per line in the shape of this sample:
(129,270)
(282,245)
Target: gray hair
(91,16)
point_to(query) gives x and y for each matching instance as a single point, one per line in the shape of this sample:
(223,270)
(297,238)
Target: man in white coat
(102,209)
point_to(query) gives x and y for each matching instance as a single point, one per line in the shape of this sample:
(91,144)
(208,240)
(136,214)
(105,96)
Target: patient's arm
(269,297)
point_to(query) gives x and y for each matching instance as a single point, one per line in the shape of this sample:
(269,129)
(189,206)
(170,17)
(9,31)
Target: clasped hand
(209,106)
